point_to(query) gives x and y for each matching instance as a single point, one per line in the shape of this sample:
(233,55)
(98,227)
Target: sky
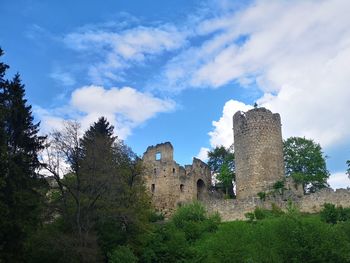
(178,70)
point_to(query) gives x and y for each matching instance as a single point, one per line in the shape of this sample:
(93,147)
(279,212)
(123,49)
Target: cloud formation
(118,50)
(297,53)
(203,154)
(126,108)
(339,180)
(222,133)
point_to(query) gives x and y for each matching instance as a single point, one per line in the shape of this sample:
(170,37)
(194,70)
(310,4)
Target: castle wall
(170,184)
(230,210)
(258,151)
(313,203)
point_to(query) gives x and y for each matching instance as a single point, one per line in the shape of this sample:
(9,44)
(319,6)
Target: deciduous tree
(305,162)
(101,194)
(221,163)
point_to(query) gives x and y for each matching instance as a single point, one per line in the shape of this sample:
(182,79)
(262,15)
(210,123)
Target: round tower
(258,151)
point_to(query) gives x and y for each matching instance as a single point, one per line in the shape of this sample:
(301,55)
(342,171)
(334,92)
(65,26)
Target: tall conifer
(20,184)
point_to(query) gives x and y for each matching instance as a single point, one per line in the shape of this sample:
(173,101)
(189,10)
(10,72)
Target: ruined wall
(230,210)
(170,184)
(313,203)
(258,151)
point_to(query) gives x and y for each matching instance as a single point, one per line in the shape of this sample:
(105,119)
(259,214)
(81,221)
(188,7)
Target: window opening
(182,187)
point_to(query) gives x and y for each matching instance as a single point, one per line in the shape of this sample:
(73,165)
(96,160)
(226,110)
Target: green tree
(101,197)
(348,170)
(304,161)
(225,177)
(221,163)
(20,184)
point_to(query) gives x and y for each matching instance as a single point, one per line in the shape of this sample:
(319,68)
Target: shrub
(329,213)
(343,213)
(192,219)
(260,213)
(122,254)
(262,196)
(276,211)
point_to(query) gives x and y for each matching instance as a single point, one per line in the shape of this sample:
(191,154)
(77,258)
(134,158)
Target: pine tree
(20,184)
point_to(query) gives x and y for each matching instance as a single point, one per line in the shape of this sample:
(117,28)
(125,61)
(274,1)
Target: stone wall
(258,151)
(313,203)
(170,184)
(230,210)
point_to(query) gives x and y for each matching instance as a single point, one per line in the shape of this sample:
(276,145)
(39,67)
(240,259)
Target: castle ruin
(171,184)
(258,150)
(259,165)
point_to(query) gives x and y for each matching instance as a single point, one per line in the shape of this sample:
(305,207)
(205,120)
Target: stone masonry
(258,151)
(170,184)
(259,164)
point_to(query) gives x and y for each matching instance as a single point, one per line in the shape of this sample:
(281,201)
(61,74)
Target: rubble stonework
(171,184)
(259,164)
(258,150)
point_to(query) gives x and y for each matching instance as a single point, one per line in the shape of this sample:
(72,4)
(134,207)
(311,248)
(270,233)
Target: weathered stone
(170,184)
(258,151)
(259,165)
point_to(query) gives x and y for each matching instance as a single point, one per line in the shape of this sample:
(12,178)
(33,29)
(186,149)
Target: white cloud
(119,50)
(203,154)
(339,180)
(222,133)
(298,53)
(125,108)
(64,78)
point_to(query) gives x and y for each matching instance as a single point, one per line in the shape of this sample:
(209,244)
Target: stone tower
(258,151)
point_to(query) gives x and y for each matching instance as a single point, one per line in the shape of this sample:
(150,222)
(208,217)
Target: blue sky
(179,71)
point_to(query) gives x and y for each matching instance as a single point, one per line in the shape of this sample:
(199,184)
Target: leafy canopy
(221,163)
(304,161)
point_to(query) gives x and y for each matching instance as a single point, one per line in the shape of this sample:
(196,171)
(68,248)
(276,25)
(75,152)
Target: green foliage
(343,213)
(262,196)
(304,161)
(21,188)
(250,216)
(279,187)
(348,164)
(260,213)
(288,238)
(329,214)
(332,214)
(193,221)
(102,200)
(171,242)
(225,177)
(156,216)
(122,254)
(166,244)
(276,211)
(52,243)
(221,162)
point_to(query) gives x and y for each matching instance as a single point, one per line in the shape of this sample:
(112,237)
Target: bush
(343,213)
(122,254)
(329,213)
(193,220)
(276,211)
(262,196)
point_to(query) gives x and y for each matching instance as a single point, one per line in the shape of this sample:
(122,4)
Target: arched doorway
(200,189)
